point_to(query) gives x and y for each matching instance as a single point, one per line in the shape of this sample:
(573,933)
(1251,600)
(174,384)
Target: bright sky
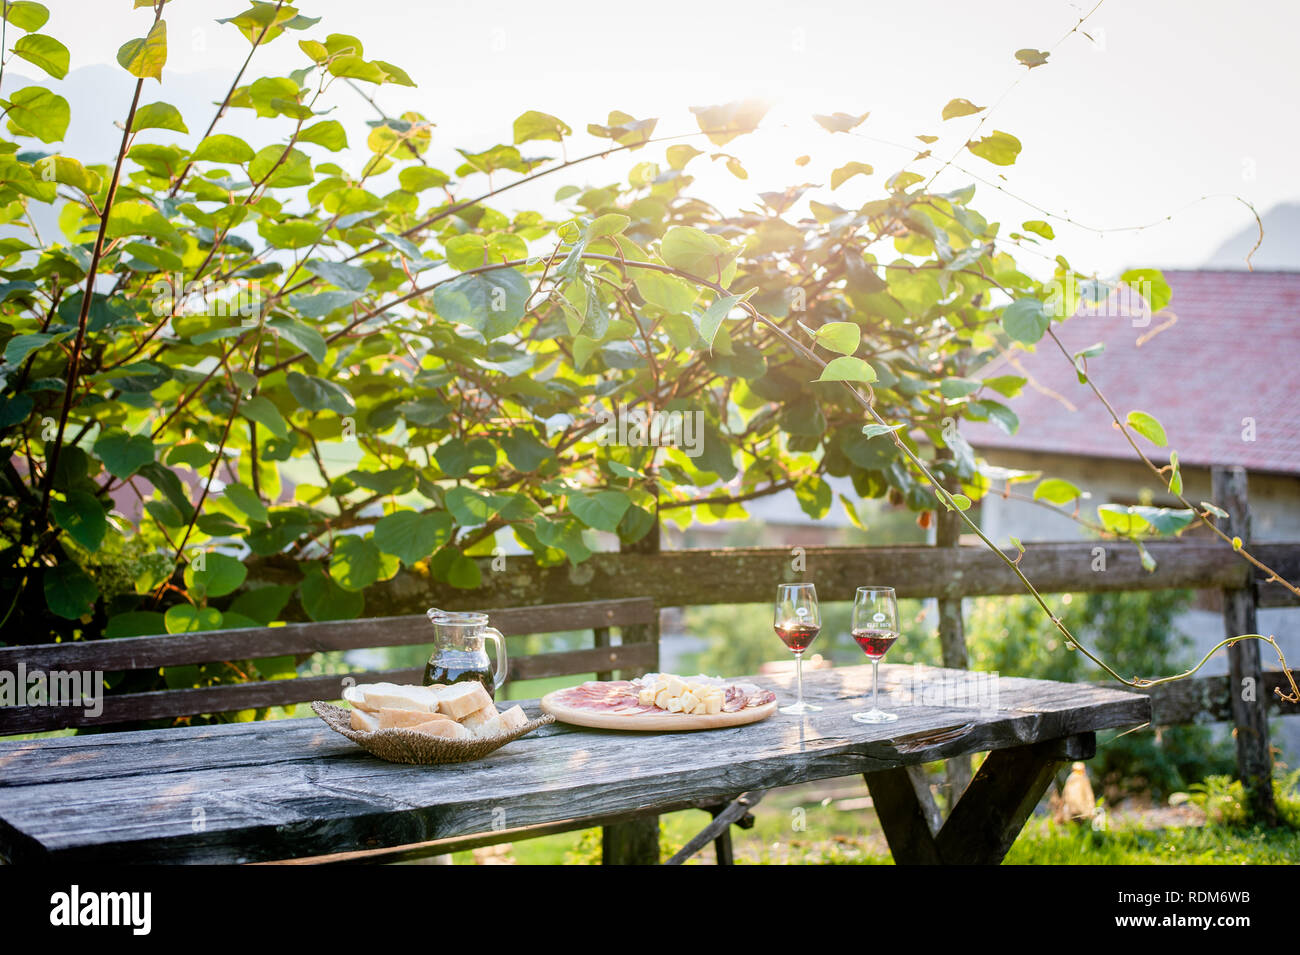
(1168,102)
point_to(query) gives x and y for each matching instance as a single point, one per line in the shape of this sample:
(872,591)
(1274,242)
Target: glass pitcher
(458,653)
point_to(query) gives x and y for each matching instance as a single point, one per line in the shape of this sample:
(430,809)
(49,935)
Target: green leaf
(26,15)
(848,369)
(280,168)
(469,507)
(1026,320)
(534,125)
(302,336)
(1039,227)
(491,303)
(261,410)
(611,223)
(464,573)
(840,122)
(413,536)
(46,52)
(848,171)
(20,346)
(221,575)
(328,133)
(724,123)
(38,112)
(321,304)
(713,316)
(1031,58)
(69,593)
(320,394)
(262,604)
(350,278)
(158,116)
(959,387)
(525,451)
(1176,475)
(223,148)
(601,510)
(1056,491)
(357,563)
(842,338)
(419,178)
(135,623)
(457,457)
(1151,285)
(248,502)
(123,454)
(668,292)
(325,600)
(145,57)
(82,516)
(699,253)
(960,107)
(1001,148)
(186,619)
(1147,426)
(1214,509)
(69,172)
(876,430)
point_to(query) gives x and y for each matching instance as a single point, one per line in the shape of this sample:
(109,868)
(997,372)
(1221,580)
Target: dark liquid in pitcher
(449,667)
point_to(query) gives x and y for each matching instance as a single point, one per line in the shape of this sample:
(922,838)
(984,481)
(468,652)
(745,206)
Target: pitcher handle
(503,663)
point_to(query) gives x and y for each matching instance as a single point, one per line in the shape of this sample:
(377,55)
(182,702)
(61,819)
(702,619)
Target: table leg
(990,814)
(630,843)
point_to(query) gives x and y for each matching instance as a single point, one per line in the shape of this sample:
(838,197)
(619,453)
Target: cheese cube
(674,705)
(675,686)
(646,697)
(698,708)
(689,700)
(661,700)
(713,705)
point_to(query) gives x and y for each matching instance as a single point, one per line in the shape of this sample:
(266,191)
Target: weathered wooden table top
(248,792)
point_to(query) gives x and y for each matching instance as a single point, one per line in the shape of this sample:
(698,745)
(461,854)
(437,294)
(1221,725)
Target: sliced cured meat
(613,696)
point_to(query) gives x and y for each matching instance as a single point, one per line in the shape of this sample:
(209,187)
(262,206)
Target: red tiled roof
(1233,353)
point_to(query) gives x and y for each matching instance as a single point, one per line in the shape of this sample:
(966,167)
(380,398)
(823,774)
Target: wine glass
(797,622)
(875,628)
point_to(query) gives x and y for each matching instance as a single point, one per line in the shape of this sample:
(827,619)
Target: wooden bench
(637,652)
(634,655)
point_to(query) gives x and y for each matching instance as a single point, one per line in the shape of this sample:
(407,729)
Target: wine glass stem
(798,669)
(875,684)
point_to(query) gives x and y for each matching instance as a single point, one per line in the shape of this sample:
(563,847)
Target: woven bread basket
(404,745)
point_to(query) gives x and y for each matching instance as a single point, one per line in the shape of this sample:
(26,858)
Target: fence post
(636,842)
(1245,672)
(952,641)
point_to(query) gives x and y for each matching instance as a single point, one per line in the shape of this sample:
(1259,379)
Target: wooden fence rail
(687,578)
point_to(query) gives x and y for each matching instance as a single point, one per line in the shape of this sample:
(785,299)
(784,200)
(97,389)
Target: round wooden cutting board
(664,722)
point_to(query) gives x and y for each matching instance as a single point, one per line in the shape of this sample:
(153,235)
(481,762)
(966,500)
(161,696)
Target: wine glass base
(875,716)
(798,709)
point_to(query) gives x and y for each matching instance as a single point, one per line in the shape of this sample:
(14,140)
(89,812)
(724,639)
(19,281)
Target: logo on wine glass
(801,612)
(878,617)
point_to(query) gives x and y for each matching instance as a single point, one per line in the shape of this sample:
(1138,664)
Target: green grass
(832,823)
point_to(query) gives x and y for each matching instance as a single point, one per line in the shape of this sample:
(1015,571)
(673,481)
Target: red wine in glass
(875,643)
(797,621)
(875,628)
(798,636)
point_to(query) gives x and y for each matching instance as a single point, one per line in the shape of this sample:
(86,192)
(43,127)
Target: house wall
(1275,515)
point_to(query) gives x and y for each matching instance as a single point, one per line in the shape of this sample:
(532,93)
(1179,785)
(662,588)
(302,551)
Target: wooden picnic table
(282,789)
